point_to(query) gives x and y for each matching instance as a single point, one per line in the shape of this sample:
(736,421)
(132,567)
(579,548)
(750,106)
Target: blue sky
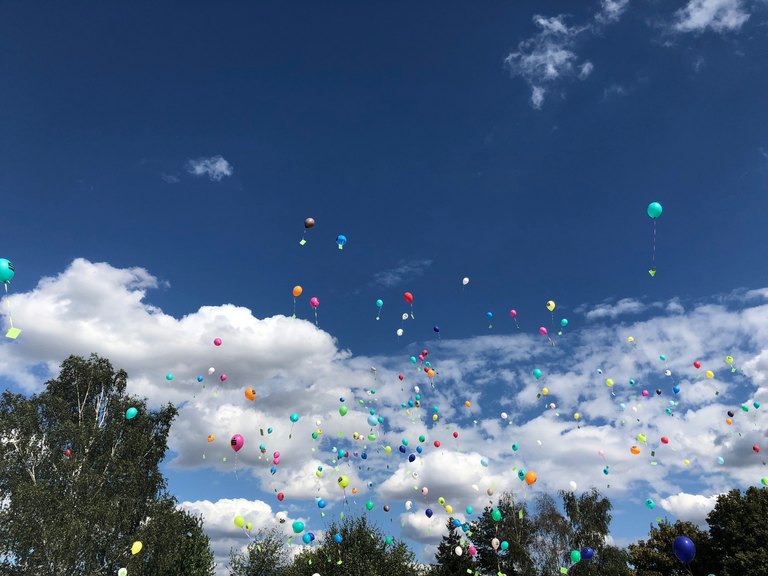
(517,144)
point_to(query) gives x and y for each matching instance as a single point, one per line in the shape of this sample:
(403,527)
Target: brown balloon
(308,223)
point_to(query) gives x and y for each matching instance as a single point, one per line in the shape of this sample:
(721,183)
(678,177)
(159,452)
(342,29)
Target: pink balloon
(223,377)
(275,461)
(276,454)
(421,357)
(600,453)
(543,331)
(314,302)
(645,393)
(237,442)
(472,551)
(217,342)
(513,312)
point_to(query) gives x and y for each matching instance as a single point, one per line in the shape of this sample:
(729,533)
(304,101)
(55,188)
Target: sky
(159,162)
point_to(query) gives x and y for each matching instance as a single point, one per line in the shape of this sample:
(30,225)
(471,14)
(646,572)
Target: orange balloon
(354,490)
(250,393)
(635,450)
(431,373)
(210,438)
(530,477)
(297,290)
(728,421)
(467,404)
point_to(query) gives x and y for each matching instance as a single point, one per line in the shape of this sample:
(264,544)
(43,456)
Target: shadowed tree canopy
(448,562)
(738,526)
(82,482)
(654,556)
(266,555)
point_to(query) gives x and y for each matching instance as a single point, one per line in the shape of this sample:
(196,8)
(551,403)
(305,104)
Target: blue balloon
(341,240)
(436,329)
(306,538)
(412,458)
(428,512)
(338,538)
(684,549)
(273,470)
(587,553)
(456,522)
(364,456)
(373,421)
(199,378)
(321,503)
(489,315)
(402,449)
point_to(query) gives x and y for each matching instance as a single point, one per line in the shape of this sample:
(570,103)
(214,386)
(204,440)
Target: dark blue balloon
(364,456)
(411,457)
(436,329)
(428,512)
(684,549)
(587,553)
(402,449)
(311,535)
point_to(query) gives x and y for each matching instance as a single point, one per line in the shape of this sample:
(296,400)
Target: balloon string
(8,303)
(294,307)
(654,240)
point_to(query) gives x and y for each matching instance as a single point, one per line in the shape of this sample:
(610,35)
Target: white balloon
(465,281)
(405,316)
(399,331)
(504,415)
(211,370)
(416,389)
(667,372)
(458,551)
(317,422)
(408,505)
(572,484)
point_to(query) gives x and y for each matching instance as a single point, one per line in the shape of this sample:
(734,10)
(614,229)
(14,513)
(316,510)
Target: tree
(448,562)
(266,555)
(737,526)
(82,482)
(363,550)
(514,527)
(552,535)
(654,557)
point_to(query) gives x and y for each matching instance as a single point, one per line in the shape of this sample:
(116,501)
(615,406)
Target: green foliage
(448,563)
(79,514)
(267,555)
(363,551)
(654,557)
(739,532)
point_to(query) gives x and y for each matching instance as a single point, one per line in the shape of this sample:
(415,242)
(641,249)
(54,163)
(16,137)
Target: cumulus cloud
(716,15)
(690,507)
(215,167)
(297,367)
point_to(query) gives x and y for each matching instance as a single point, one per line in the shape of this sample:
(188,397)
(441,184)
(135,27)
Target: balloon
(495,543)
(710,374)
(536,373)
(513,313)
(169,376)
(297,290)
(729,360)
(542,331)
(504,545)
(664,440)
(294,417)
(343,482)
(697,364)
(136,548)
(684,549)
(436,329)
(250,393)
(236,442)
(496,515)
(6,270)
(635,450)
(575,556)
(369,505)
(472,551)
(306,538)
(630,339)
(223,377)
(551,305)
(131,413)
(379,302)
(217,341)
(341,240)
(609,382)
(314,302)
(122,572)
(399,331)
(298,527)
(458,551)
(650,503)
(211,438)
(654,210)
(465,281)
(408,297)
(587,553)
(239,521)
(309,223)
(343,410)
(428,512)
(321,503)
(280,496)
(489,315)
(211,370)
(530,477)
(564,322)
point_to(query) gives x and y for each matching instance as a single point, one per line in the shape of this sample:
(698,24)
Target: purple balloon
(684,549)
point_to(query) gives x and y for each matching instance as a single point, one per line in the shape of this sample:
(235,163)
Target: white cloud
(170,178)
(585,70)
(214,167)
(537,96)
(690,507)
(405,270)
(611,10)
(717,15)
(296,367)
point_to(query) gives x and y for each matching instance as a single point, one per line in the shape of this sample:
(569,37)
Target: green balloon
(239,521)
(369,505)
(6,270)
(496,515)
(343,410)
(654,210)
(298,527)
(388,540)
(131,413)
(575,556)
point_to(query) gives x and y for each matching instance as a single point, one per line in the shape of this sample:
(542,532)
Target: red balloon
(437,443)
(697,364)
(401,377)
(756,448)
(408,297)
(455,434)
(280,496)
(67,452)
(424,352)
(664,440)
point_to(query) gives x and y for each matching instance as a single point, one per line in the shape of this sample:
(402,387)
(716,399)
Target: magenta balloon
(314,302)
(513,312)
(237,442)
(543,331)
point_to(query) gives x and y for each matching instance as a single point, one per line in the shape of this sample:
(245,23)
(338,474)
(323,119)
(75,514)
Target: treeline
(82,494)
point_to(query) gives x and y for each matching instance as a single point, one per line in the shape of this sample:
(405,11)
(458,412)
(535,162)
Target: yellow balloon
(710,374)
(387,449)
(343,481)
(449,509)
(609,382)
(577,416)
(729,360)
(545,391)
(434,417)
(551,305)
(441,501)
(239,522)
(136,548)
(630,339)
(642,438)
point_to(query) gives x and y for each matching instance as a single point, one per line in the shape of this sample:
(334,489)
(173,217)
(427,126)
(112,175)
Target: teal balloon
(654,210)
(294,417)
(564,322)
(131,413)
(575,556)
(6,270)
(379,303)
(496,515)
(388,540)
(369,505)
(536,373)
(298,527)
(504,545)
